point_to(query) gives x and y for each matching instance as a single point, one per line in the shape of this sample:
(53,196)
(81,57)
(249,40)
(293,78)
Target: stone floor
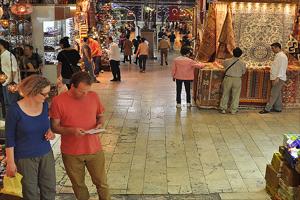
(152,148)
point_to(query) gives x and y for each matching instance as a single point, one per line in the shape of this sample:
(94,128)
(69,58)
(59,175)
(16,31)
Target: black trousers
(3,108)
(187,85)
(127,58)
(142,62)
(115,69)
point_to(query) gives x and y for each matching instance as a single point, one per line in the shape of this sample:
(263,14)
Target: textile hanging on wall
(257,26)
(226,39)
(207,48)
(296,29)
(293,48)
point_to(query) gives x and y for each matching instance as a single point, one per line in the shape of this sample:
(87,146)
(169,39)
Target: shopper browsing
(114,59)
(163,47)
(80,150)
(183,72)
(10,68)
(68,59)
(28,149)
(232,83)
(142,53)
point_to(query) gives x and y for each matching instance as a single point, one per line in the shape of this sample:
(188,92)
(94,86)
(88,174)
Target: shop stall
(253,26)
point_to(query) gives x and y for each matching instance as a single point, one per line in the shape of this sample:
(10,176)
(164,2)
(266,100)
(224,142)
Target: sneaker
(263,111)
(113,80)
(223,111)
(189,105)
(102,71)
(178,105)
(233,113)
(143,71)
(96,81)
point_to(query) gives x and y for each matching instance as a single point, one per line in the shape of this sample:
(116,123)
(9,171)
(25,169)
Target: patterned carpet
(152,197)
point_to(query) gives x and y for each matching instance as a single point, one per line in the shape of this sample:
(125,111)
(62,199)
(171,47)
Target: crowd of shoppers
(29,130)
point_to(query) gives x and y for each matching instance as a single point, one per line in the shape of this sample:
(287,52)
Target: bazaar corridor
(160,151)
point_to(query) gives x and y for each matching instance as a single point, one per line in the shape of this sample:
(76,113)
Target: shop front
(253,26)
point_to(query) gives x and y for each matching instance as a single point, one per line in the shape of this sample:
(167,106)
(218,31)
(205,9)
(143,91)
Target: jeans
(89,68)
(39,179)
(97,63)
(95,163)
(115,69)
(187,85)
(142,62)
(172,45)
(9,98)
(126,58)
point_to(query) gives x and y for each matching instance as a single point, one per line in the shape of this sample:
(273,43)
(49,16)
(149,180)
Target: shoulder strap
(230,67)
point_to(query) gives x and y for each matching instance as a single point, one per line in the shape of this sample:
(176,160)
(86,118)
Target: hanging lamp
(21,9)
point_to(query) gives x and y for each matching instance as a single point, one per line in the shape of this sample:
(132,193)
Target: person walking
(127,46)
(163,47)
(79,149)
(9,67)
(278,77)
(136,43)
(142,53)
(172,38)
(183,72)
(87,59)
(232,83)
(68,59)
(96,55)
(28,150)
(114,59)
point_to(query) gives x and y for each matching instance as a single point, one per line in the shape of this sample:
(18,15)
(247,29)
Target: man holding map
(74,114)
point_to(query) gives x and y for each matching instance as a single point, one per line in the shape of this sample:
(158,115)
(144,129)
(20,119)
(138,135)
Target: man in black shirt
(172,38)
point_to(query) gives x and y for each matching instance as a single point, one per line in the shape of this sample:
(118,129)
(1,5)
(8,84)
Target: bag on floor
(12,185)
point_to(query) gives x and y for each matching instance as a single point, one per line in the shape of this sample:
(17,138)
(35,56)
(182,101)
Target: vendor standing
(278,77)
(32,62)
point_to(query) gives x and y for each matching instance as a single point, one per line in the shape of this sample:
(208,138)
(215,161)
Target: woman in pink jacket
(183,72)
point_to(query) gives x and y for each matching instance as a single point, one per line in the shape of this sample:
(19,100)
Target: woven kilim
(256,87)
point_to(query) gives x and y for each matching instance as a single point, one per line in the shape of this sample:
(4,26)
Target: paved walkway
(153,148)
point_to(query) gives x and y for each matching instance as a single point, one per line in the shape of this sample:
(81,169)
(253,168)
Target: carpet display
(207,48)
(256,87)
(226,39)
(259,25)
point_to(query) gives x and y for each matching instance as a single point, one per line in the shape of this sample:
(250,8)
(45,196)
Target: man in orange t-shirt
(96,55)
(72,113)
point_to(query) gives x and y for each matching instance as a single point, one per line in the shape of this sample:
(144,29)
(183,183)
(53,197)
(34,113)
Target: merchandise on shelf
(282,176)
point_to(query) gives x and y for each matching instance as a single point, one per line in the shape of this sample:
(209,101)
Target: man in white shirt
(278,77)
(10,68)
(114,59)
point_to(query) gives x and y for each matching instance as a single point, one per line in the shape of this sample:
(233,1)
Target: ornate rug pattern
(255,91)
(256,27)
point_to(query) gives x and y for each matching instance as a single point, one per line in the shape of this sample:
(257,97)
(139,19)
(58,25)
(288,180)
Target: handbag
(12,185)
